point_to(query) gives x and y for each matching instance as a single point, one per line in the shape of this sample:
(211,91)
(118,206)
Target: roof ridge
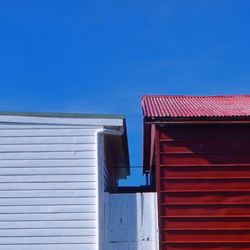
(198,96)
(62,115)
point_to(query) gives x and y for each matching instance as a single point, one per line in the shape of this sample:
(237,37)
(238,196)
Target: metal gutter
(198,122)
(120,132)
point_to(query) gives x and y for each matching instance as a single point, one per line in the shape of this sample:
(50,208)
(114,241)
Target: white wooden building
(57,173)
(51,184)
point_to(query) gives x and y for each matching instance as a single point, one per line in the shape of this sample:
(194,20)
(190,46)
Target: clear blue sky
(102,56)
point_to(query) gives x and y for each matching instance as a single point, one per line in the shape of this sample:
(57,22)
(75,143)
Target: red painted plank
(206,236)
(202,146)
(212,132)
(207,171)
(206,223)
(206,246)
(204,159)
(196,184)
(202,129)
(206,198)
(205,210)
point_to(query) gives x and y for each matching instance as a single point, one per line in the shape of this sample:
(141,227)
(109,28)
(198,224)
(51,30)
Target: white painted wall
(131,221)
(49,183)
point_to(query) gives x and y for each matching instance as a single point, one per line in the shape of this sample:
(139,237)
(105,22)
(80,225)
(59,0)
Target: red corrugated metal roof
(196,106)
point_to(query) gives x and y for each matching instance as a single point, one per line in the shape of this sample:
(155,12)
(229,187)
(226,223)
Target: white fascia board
(116,122)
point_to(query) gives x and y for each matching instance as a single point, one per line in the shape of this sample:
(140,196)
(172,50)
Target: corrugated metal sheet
(203,176)
(196,106)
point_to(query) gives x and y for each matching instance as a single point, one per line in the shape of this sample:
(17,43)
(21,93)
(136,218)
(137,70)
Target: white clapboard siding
(32,232)
(50,239)
(48,163)
(46,132)
(47,224)
(47,140)
(51,216)
(47,193)
(48,178)
(48,209)
(47,155)
(47,201)
(47,246)
(47,148)
(90,170)
(48,185)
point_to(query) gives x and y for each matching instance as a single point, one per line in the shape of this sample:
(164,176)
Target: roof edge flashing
(159,120)
(62,118)
(62,115)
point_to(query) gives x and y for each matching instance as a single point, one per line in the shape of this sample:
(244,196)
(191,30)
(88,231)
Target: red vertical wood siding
(204,186)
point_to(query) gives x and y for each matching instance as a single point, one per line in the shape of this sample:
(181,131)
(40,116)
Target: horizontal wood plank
(47,178)
(47,163)
(49,246)
(205,210)
(51,170)
(48,186)
(47,155)
(49,232)
(89,224)
(48,140)
(48,209)
(206,223)
(46,132)
(47,201)
(49,216)
(80,239)
(212,184)
(47,148)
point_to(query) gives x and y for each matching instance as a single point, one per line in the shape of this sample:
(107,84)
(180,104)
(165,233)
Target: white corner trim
(100,132)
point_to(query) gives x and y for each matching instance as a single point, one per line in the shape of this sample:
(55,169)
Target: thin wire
(138,166)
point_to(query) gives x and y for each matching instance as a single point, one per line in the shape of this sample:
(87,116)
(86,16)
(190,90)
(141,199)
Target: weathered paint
(203,176)
(131,221)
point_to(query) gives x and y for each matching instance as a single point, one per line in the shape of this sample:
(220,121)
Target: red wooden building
(197,151)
